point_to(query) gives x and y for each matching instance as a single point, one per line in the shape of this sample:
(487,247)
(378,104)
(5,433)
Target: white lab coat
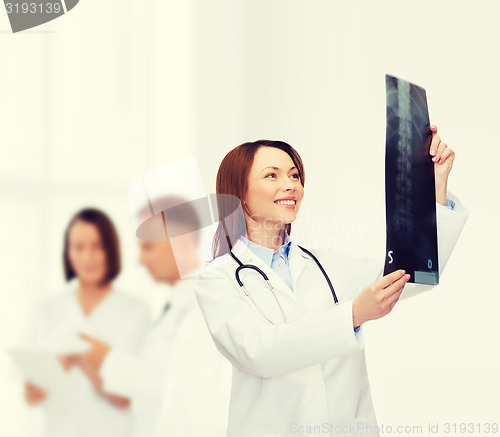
(180,384)
(307,377)
(120,320)
(142,377)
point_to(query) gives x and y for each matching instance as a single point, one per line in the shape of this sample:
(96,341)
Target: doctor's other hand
(443,157)
(379,298)
(33,394)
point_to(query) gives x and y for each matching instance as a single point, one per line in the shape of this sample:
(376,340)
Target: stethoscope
(253,267)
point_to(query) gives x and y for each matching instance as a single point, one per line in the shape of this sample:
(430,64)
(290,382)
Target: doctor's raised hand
(379,298)
(443,157)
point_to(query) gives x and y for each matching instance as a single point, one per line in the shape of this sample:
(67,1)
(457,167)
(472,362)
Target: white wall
(119,87)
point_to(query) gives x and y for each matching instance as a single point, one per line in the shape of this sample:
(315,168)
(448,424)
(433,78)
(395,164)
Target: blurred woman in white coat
(91,304)
(298,357)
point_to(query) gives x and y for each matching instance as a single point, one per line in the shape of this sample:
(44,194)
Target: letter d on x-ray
(25,14)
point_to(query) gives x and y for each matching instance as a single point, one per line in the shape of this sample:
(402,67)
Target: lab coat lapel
(298,260)
(248,257)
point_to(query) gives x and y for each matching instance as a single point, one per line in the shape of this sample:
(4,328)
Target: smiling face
(86,253)
(274,190)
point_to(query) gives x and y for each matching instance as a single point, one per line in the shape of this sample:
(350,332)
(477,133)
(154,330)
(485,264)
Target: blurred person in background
(180,384)
(91,304)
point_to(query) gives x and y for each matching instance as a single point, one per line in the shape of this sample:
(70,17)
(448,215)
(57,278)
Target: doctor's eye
(296,176)
(271,174)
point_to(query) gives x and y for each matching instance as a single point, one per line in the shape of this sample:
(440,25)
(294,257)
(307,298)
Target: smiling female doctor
(298,357)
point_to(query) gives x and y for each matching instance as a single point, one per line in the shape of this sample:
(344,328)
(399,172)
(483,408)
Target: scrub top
(120,320)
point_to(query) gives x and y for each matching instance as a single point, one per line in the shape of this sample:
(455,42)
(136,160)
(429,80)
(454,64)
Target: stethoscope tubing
(242,266)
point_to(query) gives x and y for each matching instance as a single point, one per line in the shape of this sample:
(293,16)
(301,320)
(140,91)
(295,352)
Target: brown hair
(232,178)
(109,238)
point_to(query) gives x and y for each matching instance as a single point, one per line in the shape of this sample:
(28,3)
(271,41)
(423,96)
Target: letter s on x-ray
(389,254)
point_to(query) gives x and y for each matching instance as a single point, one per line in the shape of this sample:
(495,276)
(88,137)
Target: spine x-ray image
(409,184)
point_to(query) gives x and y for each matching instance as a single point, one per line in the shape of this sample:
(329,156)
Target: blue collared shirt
(278,260)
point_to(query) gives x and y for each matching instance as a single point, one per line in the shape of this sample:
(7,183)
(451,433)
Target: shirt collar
(265,253)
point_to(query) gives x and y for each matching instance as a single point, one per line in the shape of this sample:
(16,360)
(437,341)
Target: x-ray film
(410,197)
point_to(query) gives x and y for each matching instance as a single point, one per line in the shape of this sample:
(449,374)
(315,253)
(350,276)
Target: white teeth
(285,202)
